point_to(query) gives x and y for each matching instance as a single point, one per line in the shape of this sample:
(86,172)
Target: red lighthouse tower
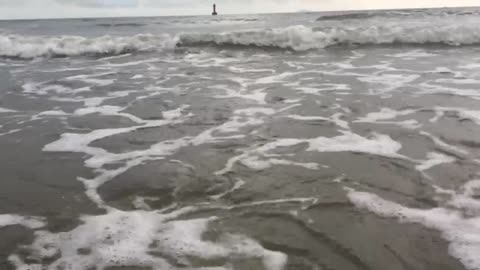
(214,13)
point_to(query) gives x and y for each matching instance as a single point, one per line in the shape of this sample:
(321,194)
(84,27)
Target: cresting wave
(406,13)
(301,38)
(27,47)
(297,38)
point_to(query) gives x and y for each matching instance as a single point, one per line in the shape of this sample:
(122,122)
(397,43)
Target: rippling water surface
(291,141)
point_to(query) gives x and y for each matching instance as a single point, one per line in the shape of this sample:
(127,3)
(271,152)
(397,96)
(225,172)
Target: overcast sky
(18,9)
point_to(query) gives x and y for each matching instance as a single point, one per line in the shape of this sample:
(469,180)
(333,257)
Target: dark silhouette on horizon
(214,13)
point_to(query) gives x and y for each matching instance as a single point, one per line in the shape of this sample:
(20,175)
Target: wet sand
(254,161)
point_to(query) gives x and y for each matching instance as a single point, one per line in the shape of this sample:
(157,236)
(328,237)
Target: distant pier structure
(214,13)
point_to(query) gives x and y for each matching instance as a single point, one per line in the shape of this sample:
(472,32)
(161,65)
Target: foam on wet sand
(221,149)
(462,231)
(29,222)
(135,238)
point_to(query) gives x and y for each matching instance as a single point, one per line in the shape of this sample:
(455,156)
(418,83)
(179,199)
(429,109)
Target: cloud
(84,3)
(118,3)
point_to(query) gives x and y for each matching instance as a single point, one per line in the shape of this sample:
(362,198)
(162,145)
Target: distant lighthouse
(214,13)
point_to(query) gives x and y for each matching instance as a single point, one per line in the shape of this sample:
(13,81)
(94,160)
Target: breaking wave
(301,38)
(298,38)
(399,14)
(27,47)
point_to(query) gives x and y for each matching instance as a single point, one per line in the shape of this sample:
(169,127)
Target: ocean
(322,141)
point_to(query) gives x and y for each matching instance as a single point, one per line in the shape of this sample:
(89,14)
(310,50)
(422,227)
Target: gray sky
(17,9)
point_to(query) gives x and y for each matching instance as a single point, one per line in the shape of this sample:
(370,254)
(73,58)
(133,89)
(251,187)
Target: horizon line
(234,14)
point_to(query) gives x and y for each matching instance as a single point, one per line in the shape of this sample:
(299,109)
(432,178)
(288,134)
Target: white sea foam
(335,118)
(254,111)
(53,113)
(5,110)
(128,236)
(260,158)
(466,200)
(303,201)
(459,81)
(29,222)
(408,124)
(428,88)
(209,60)
(45,89)
(305,38)
(174,114)
(308,118)
(413,54)
(154,239)
(462,231)
(256,95)
(473,115)
(136,77)
(297,37)
(10,131)
(249,70)
(32,46)
(388,82)
(443,144)
(142,238)
(325,87)
(92,79)
(433,160)
(242,118)
(256,164)
(238,184)
(109,110)
(132,63)
(70,142)
(384,114)
(457,76)
(92,101)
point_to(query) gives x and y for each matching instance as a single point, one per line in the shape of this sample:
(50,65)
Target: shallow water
(255,149)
